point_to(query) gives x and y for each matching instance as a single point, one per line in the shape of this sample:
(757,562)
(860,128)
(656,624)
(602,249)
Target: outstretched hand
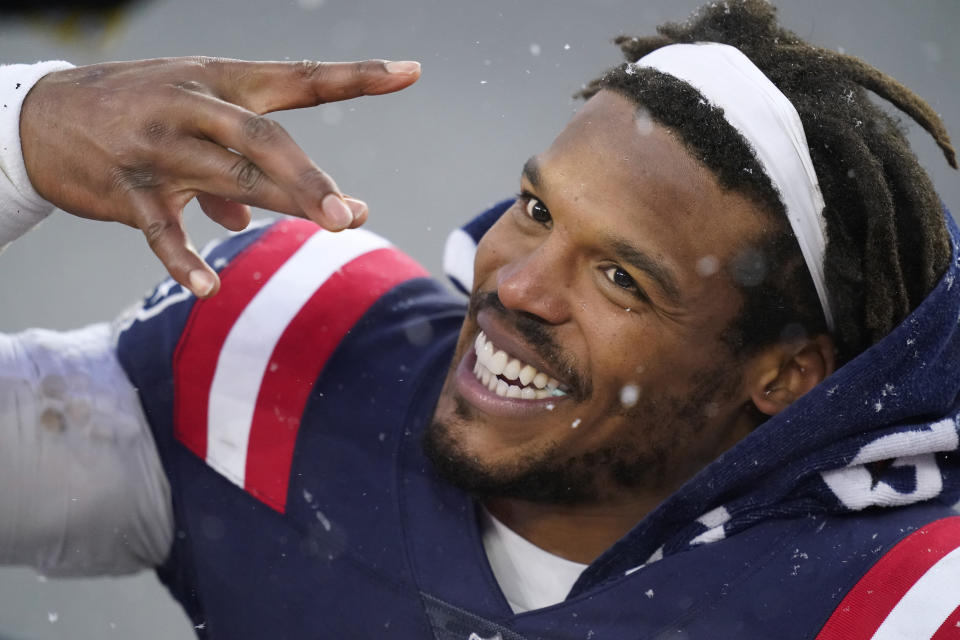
(134,142)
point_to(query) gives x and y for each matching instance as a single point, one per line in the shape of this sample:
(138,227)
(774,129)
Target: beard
(543,476)
(644,460)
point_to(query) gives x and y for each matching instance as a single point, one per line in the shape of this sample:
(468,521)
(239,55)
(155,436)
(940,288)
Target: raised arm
(82,488)
(133,142)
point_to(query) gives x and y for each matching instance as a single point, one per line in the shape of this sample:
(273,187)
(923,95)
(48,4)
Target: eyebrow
(531,171)
(654,268)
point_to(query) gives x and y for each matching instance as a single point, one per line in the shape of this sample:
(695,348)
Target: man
(691,396)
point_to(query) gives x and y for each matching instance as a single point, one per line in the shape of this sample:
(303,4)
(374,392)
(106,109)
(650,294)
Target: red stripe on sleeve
(870,601)
(950,629)
(210,321)
(299,357)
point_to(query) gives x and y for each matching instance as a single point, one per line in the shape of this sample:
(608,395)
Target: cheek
(632,355)
(498,247)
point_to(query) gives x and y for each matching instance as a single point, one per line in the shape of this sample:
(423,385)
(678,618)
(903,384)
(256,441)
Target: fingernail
(356,206)
(201,283)
(403,67)
(338,214)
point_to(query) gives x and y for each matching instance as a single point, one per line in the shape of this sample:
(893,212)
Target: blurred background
(496,86)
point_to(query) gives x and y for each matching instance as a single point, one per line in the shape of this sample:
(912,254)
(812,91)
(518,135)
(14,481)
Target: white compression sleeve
(21,207)
(82,489)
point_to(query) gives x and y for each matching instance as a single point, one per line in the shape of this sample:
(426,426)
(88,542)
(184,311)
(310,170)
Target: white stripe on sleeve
(253,337)
(927,604)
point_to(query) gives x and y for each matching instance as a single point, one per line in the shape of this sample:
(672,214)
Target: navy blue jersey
(288,410)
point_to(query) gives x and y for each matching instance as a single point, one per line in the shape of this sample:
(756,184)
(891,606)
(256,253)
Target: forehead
(614,168)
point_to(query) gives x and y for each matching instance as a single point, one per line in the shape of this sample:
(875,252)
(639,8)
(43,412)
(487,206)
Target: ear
(786,371)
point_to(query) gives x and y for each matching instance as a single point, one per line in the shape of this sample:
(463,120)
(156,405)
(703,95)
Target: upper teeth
(493,362)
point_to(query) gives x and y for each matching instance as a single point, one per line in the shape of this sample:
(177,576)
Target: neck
(575,532)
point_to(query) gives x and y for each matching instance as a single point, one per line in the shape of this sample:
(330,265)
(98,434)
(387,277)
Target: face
(599,299)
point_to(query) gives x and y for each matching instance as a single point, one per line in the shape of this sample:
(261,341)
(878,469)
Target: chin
(533,477)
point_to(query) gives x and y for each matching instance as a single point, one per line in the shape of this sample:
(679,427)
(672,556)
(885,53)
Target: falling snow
(534,49)
(629,395)
(649,593)
(575,423)
(707,266)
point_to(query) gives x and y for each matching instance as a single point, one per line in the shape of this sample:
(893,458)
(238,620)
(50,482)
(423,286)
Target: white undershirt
(529,577)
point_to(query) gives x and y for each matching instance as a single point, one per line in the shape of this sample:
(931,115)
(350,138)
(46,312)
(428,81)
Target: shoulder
(911,591)
(270,274)
(230,378)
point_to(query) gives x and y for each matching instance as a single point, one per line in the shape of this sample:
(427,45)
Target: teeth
(512,370)
(498,362)
(487,353)
(527,374)
(493,362)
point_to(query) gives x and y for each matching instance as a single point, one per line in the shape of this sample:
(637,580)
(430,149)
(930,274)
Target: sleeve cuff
(21,207)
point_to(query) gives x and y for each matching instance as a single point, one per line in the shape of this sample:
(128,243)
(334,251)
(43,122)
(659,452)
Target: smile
(510,377)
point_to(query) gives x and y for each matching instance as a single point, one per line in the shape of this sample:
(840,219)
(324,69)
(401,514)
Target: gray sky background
(496,86)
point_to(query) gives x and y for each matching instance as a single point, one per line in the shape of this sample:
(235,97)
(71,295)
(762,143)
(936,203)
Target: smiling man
(706,384)
(590,280)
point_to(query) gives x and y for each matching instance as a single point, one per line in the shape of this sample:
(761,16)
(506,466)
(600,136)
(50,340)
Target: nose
(535,284)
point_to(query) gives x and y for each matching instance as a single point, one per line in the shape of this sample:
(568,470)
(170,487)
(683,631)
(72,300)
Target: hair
(887,241)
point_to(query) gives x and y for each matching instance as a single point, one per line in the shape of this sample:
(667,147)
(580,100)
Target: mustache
(539,336)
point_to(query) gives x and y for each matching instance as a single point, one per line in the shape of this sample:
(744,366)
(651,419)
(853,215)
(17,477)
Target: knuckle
(310,70)
(134,176)
(156,131)
(191,85)
(248,176)
(157,230)
(261,129)
(315,180)
(207,62)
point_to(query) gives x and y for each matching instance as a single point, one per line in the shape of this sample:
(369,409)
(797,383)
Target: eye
(537,211)
(621,278)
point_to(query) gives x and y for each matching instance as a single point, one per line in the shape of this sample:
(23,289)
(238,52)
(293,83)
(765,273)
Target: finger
(263,87)
(359,209)
(268,146)
(204,167)
(232,215)
(168,240)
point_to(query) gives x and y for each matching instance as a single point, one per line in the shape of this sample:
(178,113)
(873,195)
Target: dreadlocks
(887,243)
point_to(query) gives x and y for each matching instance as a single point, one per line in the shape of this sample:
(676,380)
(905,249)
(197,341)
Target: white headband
(754,106)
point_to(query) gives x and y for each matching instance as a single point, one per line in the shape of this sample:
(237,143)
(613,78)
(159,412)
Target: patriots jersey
(288,410)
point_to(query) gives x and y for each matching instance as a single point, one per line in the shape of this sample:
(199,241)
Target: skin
(551,260)
(134,142)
